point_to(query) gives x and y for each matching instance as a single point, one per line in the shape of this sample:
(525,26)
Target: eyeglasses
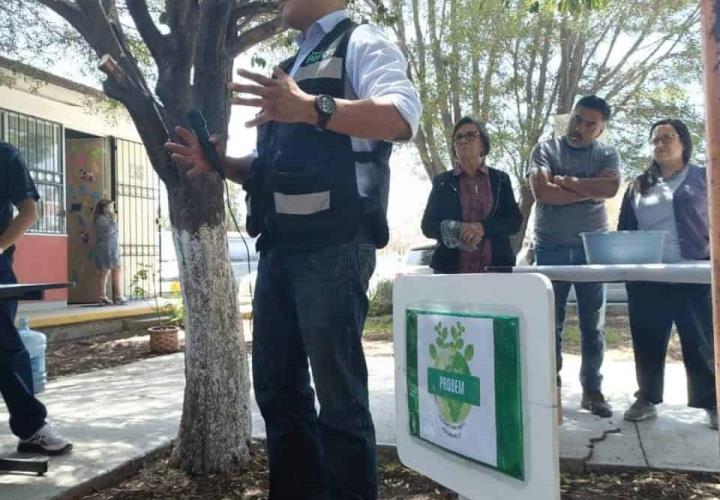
(466,137)
(665,139)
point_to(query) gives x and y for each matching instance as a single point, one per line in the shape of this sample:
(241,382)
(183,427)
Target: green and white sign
(464,389)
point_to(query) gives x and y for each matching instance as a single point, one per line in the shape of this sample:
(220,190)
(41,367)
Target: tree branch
(542,81)
(252,9)
(603,80)
(182,18)
(154,40)
(256,35)
(68,11)
(111,11)
(437,61)
(419,40)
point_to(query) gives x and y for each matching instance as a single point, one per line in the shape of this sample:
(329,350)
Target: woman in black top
(469,239)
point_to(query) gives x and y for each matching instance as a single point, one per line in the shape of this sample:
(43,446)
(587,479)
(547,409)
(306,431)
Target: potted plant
(164,338)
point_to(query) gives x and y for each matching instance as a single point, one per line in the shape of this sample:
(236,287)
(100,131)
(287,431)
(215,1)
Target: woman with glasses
(671,196)
(471,211)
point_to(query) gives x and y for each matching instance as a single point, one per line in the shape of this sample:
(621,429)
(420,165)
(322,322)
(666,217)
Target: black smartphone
(199,126)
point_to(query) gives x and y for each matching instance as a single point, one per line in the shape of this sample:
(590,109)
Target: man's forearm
(238,169)
(17,227)
(594,188)
(547,192)
(376,118)
(553,194)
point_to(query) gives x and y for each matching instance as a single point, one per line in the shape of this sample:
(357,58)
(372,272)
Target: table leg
(37,465)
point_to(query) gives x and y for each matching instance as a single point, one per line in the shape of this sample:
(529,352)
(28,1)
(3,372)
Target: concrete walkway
(117,416)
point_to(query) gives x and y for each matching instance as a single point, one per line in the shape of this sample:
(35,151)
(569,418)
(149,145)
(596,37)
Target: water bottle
(35,343)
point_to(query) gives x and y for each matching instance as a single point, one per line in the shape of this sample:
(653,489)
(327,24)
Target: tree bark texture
(203,40)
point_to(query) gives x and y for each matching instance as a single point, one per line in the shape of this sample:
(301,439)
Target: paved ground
(116,416)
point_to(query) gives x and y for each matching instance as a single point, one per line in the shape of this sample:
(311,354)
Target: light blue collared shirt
(374,65)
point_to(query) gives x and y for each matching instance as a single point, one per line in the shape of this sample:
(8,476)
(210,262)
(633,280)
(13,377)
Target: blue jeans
(312,305)
(590,310)
(27,414)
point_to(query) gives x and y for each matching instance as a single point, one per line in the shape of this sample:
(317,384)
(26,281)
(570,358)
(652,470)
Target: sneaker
(47,440)
(595,402)
(712,418)
(119,301)
(641,409)
(105,301)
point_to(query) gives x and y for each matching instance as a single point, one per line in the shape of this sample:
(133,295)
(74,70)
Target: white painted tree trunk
(215,430)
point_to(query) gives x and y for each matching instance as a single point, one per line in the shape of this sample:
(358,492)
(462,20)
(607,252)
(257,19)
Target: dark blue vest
(308,188)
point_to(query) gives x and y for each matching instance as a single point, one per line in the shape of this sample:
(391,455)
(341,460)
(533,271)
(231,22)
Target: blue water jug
(36,344)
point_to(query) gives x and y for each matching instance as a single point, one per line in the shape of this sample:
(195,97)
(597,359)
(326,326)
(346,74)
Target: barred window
(40,143)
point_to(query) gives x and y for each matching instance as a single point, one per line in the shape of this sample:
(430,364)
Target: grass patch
(378,328)
(614,338)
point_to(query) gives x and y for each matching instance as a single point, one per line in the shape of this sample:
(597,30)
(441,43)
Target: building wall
(42,258)
(84,112)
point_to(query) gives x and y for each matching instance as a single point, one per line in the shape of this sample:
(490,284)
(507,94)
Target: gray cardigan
(690,205)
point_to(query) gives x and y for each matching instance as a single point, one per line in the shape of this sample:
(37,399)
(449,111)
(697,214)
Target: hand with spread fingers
(190,155)
(279,99)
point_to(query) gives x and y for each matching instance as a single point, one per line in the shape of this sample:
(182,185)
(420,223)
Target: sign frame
(529,297)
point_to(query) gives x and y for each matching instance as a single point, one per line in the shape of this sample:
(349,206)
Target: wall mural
(85,170)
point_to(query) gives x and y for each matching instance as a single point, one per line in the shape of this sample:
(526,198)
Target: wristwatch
(325,107)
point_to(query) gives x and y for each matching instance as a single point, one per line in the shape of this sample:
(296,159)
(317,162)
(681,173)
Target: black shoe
(712,418)
(594,401)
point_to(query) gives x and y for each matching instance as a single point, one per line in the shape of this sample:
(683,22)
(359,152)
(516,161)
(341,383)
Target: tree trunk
(215,429)
(525,203)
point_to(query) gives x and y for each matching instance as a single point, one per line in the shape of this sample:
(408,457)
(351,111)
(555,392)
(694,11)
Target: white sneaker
(47,440)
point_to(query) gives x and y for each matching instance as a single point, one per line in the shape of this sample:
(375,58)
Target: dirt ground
(157,480)
(89,355)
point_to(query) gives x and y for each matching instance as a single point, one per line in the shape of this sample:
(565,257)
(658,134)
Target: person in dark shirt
(471,210)
(27,414)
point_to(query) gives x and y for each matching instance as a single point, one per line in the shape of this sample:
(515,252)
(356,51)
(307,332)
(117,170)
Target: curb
(115,475)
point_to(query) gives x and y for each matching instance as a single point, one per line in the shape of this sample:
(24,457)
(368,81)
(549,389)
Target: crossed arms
(565,190)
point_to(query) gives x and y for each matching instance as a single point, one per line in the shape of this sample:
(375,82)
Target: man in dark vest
(318,191)
(27,414)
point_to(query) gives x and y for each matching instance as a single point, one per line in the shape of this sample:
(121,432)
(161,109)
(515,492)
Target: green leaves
(469,352)
(577,6)
(258,62)
(449,339)
(565,6)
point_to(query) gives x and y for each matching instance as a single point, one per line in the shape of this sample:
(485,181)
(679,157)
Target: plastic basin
(624,247)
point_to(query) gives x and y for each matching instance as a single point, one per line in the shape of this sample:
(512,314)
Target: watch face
(326,104)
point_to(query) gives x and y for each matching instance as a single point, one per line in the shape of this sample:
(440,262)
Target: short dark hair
(651,175)
(465,120)
(596,103)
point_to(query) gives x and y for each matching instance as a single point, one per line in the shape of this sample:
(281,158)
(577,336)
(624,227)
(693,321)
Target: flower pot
(164,338)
